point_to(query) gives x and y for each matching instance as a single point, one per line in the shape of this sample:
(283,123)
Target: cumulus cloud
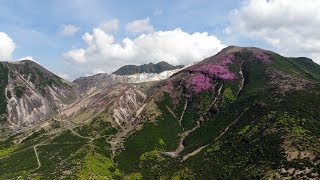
(104,54)
(139,26)
(292,27)
(68,29)
(109,26)
(7,46)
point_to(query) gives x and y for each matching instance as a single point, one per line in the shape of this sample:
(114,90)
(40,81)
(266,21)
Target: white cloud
(109,26)
(140,25)
(103,54)
(7,46)
(28,58)
(158,12)
(68,30)
(291,27)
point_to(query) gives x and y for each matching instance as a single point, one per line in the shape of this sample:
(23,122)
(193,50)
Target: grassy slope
(161,135)
(253,146)
(64,155)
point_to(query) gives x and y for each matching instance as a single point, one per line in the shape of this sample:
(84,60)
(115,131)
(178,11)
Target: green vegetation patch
(67,137)
(19,91)
(161,135)
(54,157)
(97,127)
(7,151)
(19,163)
(3,85)
(97,166)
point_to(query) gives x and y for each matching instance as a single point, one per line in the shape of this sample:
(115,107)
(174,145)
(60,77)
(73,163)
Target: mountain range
(146,68)
(244,113)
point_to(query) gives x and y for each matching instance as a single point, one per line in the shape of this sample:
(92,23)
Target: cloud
(109,26)
(139,26)
(7,46)
(103,54)
(158,12)
(291,27)
(28,58)
(68,30)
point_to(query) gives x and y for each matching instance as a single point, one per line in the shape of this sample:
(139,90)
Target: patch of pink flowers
(227,59)
(201,83)
(219,71)
(261,56)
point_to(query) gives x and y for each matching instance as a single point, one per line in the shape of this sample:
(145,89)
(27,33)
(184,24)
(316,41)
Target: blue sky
(35,27)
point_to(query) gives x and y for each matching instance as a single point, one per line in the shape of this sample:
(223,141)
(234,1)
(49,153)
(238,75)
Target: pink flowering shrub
(219,71)
(227,59)
(201,83)
(261,56)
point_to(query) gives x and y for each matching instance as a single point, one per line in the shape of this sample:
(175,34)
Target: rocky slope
(245,113)
(146,68)
(30,93)
(98,81)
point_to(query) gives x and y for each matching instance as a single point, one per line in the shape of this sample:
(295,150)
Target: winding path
(37,155)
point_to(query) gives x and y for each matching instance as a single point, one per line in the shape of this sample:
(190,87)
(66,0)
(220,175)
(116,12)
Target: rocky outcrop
(33,93)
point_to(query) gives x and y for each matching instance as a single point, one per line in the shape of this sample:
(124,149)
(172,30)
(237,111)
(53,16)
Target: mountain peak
(146,68)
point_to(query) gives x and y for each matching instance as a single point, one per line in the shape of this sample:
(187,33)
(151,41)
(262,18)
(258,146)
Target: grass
(7,151)
(67,137)
(19,91)
(55,157)
(162,134)
(97,127)
(20,163)
(97,166)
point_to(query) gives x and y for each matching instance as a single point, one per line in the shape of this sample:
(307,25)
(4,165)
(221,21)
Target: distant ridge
(146,68)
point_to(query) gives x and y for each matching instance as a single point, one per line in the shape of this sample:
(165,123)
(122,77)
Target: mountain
(101,80)
(146,68)
(30,93)
(244,113)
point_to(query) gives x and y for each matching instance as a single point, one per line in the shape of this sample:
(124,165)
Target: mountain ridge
(146,68)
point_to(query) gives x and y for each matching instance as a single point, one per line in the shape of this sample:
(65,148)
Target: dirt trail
(171,112)
(182,114)
(221,134)
(117,141)
(183,135)
(84,137)
(242,79)
(37,155)
(180,147)
(74,132)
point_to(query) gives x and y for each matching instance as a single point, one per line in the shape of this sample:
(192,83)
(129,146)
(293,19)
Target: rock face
(119,104)
(32,93)
(98,81)
(146,68)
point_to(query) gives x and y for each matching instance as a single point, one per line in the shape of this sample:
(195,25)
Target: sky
(74,38)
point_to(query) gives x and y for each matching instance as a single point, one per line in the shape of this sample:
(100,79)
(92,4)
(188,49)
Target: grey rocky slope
(31,93)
